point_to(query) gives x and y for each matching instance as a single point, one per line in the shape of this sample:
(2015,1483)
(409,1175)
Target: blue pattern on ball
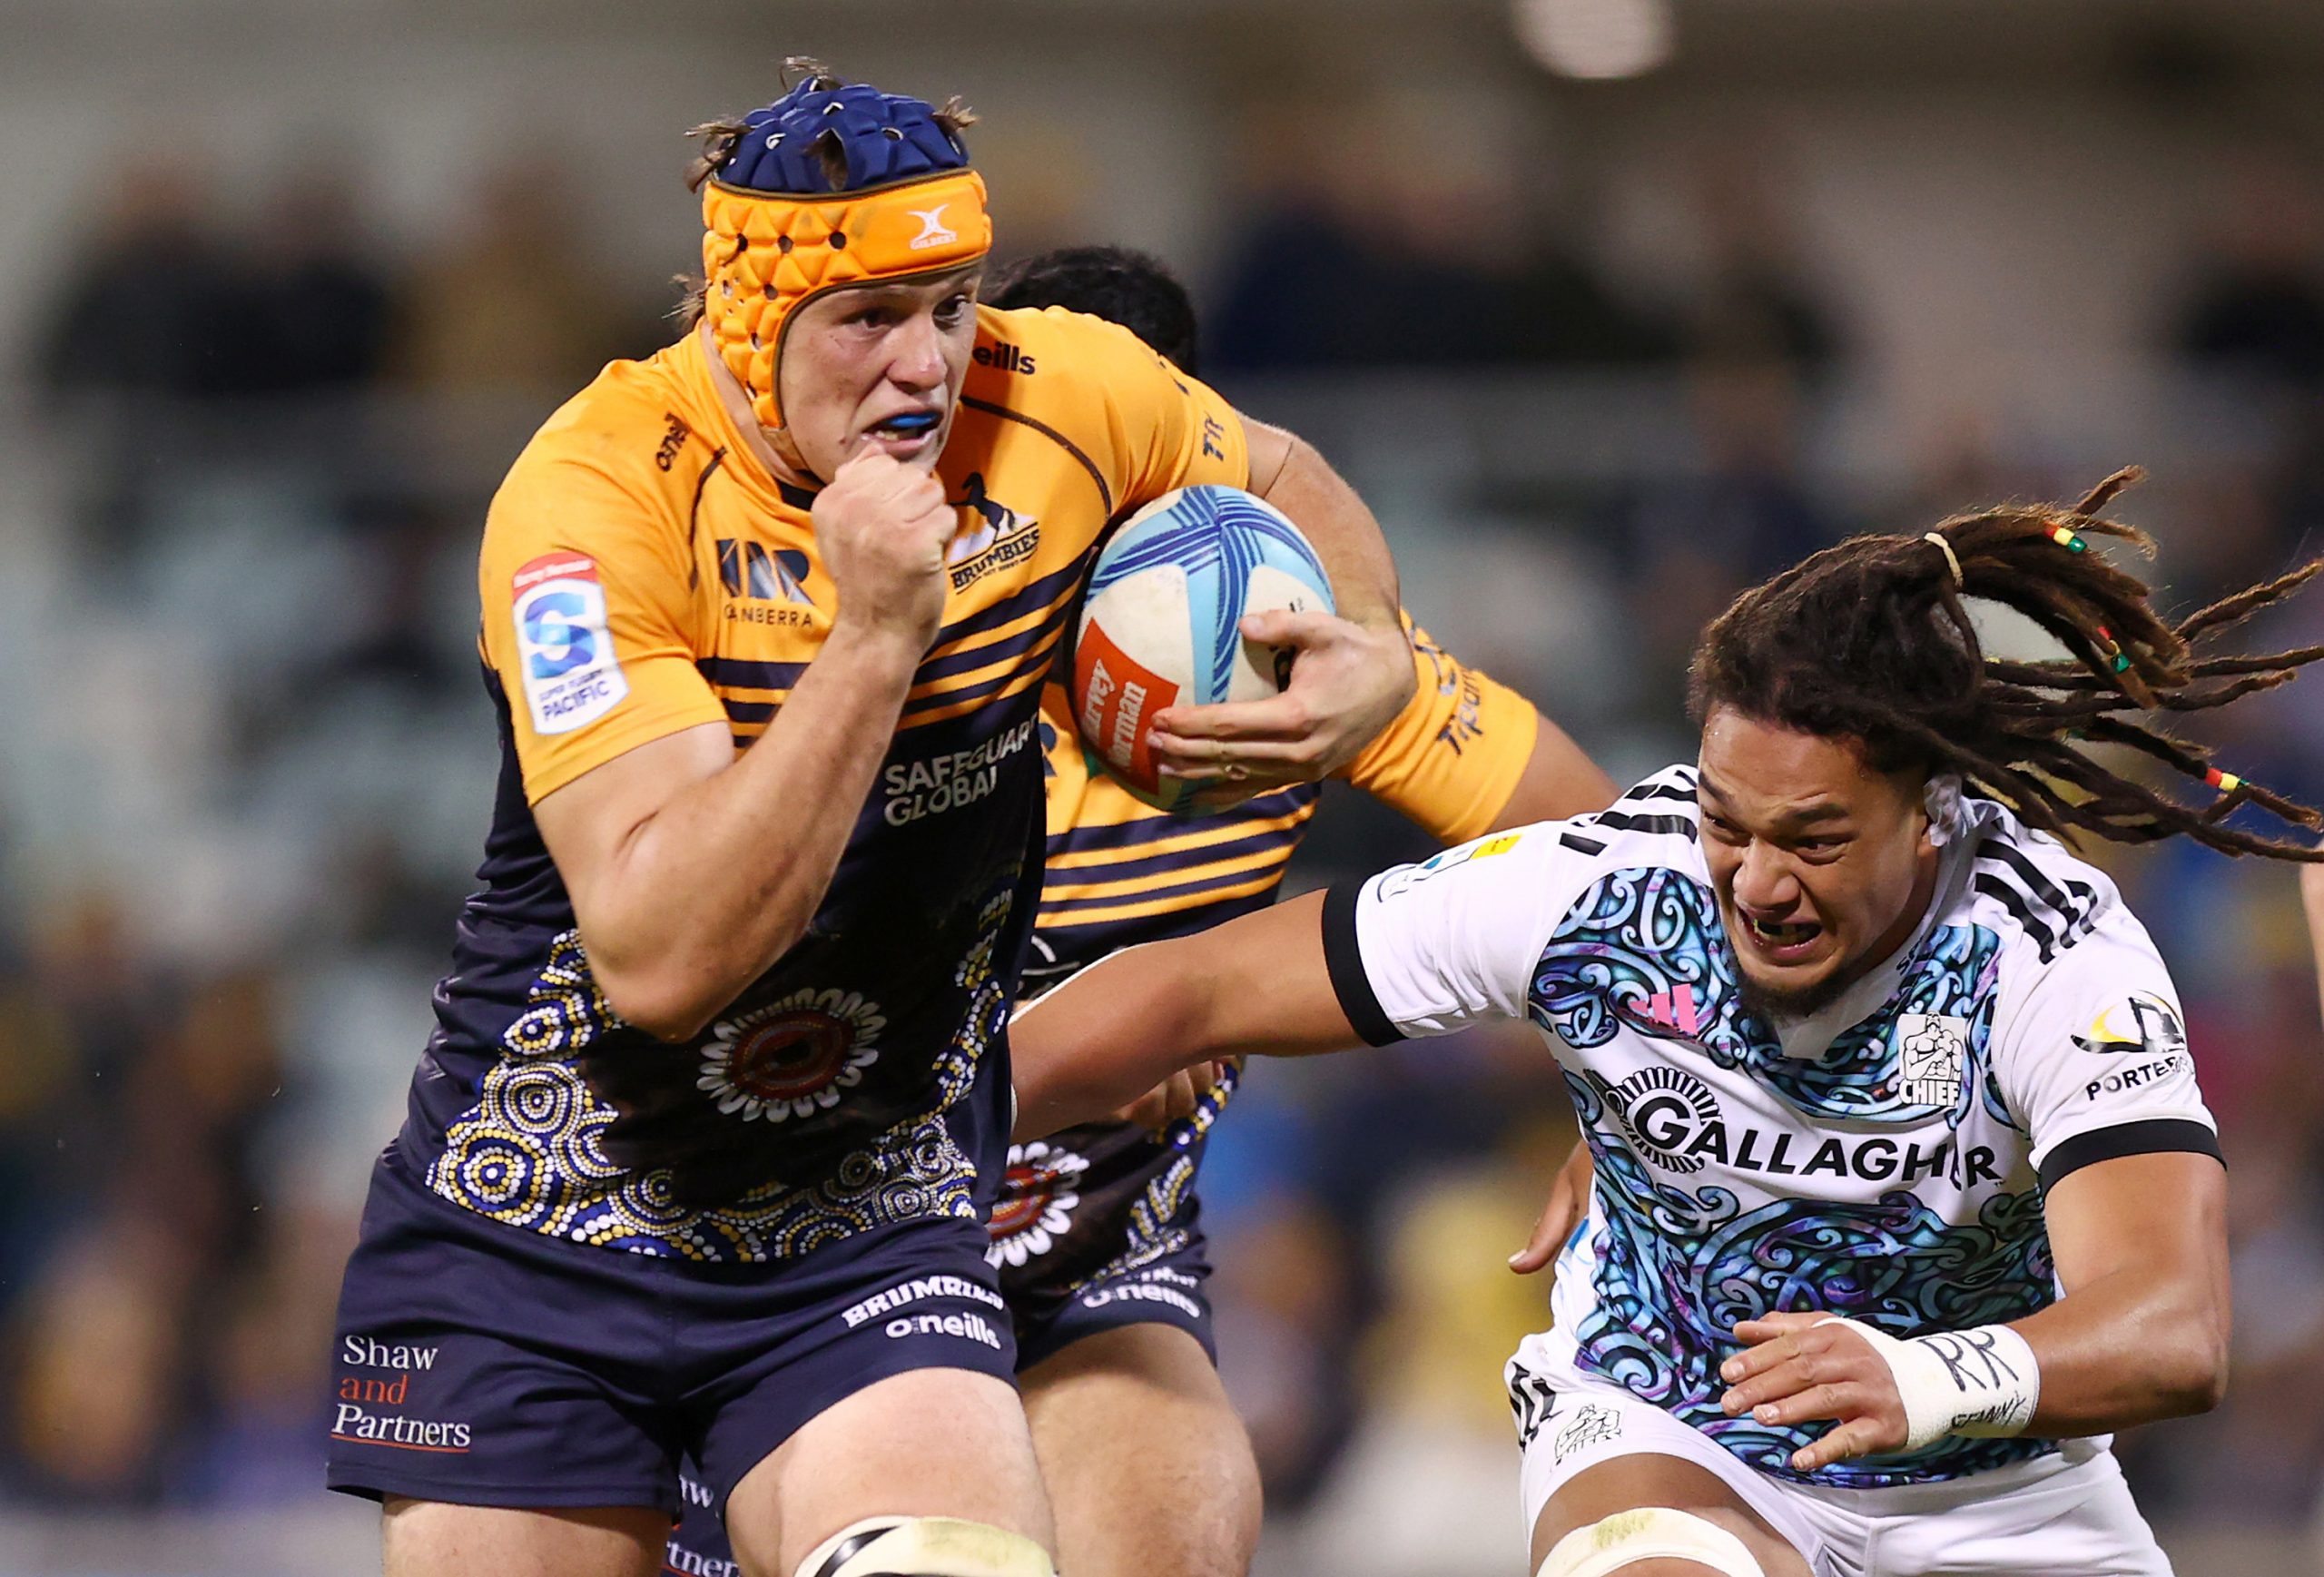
(1218,536)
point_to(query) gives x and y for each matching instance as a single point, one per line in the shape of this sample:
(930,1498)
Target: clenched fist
(882,527)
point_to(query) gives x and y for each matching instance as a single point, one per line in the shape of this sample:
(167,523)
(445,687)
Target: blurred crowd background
(1610,306)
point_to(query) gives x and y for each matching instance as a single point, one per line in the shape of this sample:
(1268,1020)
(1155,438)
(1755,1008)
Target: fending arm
(1259,984)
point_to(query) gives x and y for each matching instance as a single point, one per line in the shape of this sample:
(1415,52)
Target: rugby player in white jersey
(1905,1195)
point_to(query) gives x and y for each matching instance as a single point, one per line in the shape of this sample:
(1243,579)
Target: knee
(1651,1541)
(935,1546)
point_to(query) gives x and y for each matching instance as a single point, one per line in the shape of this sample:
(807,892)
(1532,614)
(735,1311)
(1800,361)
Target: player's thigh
(932,1442)
(1149,1466)
(433,1539)
(1632,1481)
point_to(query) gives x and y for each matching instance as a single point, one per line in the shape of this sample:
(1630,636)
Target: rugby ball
(1159,626)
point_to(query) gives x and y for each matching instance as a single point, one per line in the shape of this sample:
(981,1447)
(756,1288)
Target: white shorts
(2067,1514)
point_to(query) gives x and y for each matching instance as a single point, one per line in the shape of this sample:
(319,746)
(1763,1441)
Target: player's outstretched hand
(1348,681)
(881,528)
(1569,1199)
(1795,1371)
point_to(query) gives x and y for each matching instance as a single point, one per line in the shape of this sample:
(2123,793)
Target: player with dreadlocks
(1905,1195)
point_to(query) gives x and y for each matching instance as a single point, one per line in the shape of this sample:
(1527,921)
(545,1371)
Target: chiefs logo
(792,1057)
(1037,1198)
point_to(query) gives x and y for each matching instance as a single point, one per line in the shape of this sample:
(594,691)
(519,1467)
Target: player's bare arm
(2141,1335)
(1352,673)
(1560,780)
(1127,1023)
(692,868)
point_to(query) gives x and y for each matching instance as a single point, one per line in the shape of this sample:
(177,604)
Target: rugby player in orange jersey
(1097,1235)
(699,1157)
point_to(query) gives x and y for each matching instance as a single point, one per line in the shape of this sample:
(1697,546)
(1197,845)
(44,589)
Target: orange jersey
(1119,872)
(642,573)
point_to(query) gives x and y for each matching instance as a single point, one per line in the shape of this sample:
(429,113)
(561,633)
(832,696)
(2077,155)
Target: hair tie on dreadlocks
(1952,561)
(1860,641)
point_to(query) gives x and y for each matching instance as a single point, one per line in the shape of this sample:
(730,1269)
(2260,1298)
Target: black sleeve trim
(1344,959)
(2156,1135)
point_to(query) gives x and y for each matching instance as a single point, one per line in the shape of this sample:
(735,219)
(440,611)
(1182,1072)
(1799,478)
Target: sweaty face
(877,366)
(1822,867)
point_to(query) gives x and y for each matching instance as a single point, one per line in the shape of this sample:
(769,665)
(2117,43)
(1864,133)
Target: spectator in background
(1370,245)
(1701,537)
(315,300)
(100,1385)
(510,305)
(2254,309)
(1760,301)
(149,304)
(2250,321)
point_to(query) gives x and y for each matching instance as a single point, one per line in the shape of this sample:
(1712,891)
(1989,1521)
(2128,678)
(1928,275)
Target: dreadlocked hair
(1871,640)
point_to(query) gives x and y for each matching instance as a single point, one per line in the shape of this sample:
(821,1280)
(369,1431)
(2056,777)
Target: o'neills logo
(1001,354)
(969,1326)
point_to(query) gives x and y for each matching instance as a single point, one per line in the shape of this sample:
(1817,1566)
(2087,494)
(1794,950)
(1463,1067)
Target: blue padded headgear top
(887,138)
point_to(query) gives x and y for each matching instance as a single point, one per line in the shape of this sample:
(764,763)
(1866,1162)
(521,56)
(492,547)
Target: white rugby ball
(1159,627)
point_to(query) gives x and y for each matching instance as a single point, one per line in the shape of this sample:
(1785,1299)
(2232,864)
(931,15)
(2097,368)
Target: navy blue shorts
(482,1364)
(1099,1227)
(1096,1229)
(1167,1291)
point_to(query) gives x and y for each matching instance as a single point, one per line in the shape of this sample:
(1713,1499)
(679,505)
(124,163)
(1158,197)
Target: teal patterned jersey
(1884,1160)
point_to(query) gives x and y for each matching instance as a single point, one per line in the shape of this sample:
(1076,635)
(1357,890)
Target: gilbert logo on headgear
(932,230)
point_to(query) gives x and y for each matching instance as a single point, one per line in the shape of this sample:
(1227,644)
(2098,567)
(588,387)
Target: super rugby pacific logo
(564,644)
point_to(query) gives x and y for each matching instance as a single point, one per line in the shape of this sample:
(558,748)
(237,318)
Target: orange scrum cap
(778,231)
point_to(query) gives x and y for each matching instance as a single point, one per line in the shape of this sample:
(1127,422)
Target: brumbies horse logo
(996,535)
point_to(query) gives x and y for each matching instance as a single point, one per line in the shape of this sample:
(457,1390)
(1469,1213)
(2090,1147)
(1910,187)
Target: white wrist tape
(1982,1382)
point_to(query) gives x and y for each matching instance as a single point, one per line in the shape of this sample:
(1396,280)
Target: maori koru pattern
(1677,1267)
(1643,949)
